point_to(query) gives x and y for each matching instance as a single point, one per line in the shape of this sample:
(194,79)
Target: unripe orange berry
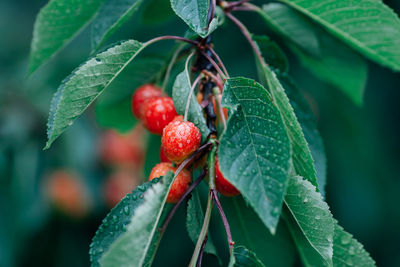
(223,185)
(180,184)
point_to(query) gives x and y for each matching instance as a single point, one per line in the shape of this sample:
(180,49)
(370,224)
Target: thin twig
(196,81)
(202,251)
(170,65)
(175,208)
(220,109)
(212,12)
(170,37)
(224,220)
(218,59)
(215,65)
(247,35)
(203,232)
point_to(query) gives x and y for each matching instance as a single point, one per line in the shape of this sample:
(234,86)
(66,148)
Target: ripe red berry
(68,194)
(180,184)
(118,184)
(158,112)
(180,139)
(163,157)
(142,94)
(223,186)
(122,150)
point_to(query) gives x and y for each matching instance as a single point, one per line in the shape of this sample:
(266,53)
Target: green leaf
(113,107)
(112,15)
(308,124)
(254,151)
(336,63)
(310,222)
(194,222)
(249,231)
(273,54)
(117,116)
(241,256)
(297,33)
(301,155)
(368,26)
(132,247)
(116,222)
(347,251)
(180,95)
(56,24)
(85,84)
(194,13)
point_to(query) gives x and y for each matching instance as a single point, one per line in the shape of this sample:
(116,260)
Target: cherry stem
(220,109)
(188,192)
(247,35)
(196,81)
(215,65)
(224,220)
(170,37)
(236,3)
(202,251)
(203,232)
(170,65)
(218,59)
(212,11)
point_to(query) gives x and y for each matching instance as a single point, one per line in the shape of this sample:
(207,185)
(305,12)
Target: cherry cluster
(180,139)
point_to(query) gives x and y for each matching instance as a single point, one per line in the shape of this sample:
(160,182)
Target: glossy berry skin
(141,95)
(163,157)
(223,186)
(158,112)
(180,139)
(180,184)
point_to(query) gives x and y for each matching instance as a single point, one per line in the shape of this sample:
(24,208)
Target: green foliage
(194,13)
(249,231)
(301,155)
(243,257)
(116,222)
(310,222)
(180,95)
(194,220)
(347,251)
(85,84)
(56,24)
(333,62)
(113,107)
(273,55)
(132,247)
(254,152)
(111,15)
(368,26)
(308,124)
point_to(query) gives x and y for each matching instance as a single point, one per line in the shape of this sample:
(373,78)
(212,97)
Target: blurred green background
(362,145)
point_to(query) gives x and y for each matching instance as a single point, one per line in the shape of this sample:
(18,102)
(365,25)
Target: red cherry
(68,194)
(118,184)
(180,139)
(180,184)
(142,94)
(122,150)
(158,112)
(163,157)
(223,186)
